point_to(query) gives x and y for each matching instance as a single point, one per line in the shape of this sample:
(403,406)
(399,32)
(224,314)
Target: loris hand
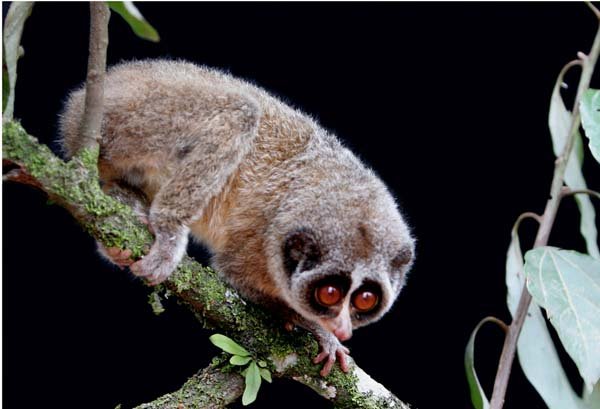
(331,348)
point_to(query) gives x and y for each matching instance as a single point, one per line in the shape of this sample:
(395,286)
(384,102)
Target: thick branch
(543,233)
(94,89)
(74,185)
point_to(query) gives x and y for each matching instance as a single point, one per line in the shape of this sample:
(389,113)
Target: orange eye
(328,295)
(365,301)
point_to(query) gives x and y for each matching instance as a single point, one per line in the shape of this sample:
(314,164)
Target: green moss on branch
(74,185)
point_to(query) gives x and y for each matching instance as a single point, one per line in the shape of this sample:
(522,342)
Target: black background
(447,102)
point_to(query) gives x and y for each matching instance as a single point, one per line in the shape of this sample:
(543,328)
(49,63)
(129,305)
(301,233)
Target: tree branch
(543,233)
(74,185)
(211,388)
(91,122)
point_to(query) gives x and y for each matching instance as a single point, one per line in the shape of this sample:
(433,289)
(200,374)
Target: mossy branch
(74,185)
(210,388)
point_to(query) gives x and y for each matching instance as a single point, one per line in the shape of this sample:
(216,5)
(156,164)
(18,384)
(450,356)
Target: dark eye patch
(340,280)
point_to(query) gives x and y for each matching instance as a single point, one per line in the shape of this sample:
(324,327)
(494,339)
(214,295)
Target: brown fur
(241,170)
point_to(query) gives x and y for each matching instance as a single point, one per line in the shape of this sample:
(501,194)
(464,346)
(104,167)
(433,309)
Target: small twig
(566,191)
(547,221)
(94,90)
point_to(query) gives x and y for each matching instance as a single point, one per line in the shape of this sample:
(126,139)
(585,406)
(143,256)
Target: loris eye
(365,301)
(328,295)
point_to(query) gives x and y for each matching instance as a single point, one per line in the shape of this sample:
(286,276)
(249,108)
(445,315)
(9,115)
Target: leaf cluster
(255,369)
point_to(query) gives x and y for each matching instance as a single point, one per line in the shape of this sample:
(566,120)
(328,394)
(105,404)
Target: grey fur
(238,168)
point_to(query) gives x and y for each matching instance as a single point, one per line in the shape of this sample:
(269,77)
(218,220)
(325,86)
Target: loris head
(344,261)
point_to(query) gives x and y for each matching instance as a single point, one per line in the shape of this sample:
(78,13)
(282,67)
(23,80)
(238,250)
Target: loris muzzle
(294,220)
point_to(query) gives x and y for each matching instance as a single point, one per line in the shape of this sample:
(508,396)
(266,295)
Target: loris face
(342,287)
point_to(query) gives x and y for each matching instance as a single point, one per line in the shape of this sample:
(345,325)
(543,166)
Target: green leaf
(567,284)
(478,397)
(134,18)
(536,352)
(559,121)
(12,31)
(266,375)
(252,384)
(262,364)
(239,360)
(228,345)
(590,119)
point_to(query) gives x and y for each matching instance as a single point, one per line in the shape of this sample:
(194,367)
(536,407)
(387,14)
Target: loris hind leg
(129,195)
(135,199)
(223,137)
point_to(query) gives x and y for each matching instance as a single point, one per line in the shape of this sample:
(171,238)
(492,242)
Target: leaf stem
(594,9)
(496,321)
(571,192)
(567,67)
(523,216)
(547,220)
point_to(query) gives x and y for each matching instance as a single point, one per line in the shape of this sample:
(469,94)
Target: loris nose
(343,334)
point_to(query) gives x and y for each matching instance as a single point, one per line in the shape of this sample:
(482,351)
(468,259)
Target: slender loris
(293,219)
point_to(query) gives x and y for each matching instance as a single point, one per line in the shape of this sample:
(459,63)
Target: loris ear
(300,246)
(404,257)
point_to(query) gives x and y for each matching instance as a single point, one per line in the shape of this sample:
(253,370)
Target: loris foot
(120,257)
(331,348)
(155,267)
